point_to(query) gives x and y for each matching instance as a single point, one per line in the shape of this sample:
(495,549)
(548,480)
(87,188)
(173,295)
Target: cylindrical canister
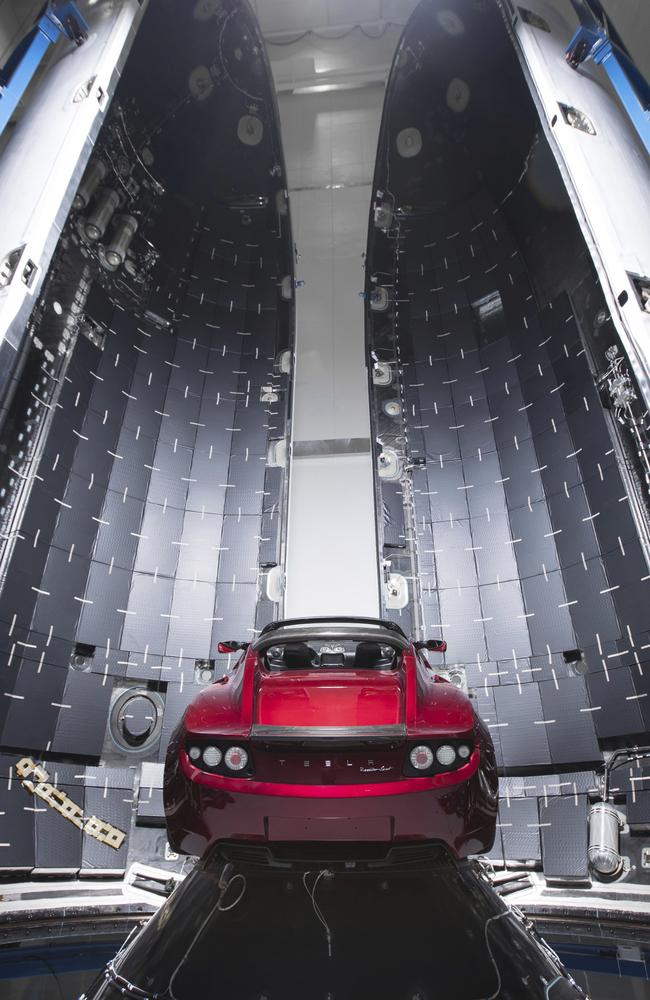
(101,214)
(94,175)
(126,227)
(603,851)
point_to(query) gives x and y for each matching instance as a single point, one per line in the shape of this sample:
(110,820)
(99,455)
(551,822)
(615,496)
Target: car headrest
(367,655)
(297,656)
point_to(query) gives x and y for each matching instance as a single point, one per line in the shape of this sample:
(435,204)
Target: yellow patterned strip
(35,779)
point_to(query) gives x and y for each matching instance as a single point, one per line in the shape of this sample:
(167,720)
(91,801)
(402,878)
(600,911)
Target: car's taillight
(220,758)
(445,755)
(212,756)
(236,758)
(421,758)
(434,758)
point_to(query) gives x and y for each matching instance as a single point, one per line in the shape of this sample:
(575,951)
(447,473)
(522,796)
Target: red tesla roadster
(331,730)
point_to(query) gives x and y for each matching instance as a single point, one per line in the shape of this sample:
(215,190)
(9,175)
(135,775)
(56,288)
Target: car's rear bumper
(204,808)
(284,789)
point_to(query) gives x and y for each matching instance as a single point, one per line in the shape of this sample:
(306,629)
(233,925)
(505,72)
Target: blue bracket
(596,41)
(57,19)
(591,14)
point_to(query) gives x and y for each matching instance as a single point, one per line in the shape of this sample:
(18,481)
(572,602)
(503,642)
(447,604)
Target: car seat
(297,656)
(367,655)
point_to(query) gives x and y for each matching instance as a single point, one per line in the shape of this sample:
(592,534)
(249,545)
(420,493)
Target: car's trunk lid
(333,699)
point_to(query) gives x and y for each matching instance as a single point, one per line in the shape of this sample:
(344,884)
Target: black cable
(626,755)
(39,958)
(334,38)
(292,41)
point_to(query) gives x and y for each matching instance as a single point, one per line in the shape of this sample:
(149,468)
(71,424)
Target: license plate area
(325,828)
(328,766)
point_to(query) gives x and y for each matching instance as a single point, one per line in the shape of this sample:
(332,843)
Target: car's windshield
(331,654)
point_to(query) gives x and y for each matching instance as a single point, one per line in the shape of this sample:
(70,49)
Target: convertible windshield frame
(329,629)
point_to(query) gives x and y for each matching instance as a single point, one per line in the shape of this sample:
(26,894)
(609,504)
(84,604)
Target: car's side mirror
(433,645)
(232,646)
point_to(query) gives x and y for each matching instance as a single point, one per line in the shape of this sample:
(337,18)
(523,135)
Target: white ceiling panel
(287,16)
(397,10)
(340,11)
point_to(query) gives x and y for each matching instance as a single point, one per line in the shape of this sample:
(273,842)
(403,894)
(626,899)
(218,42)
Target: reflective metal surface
(337,931)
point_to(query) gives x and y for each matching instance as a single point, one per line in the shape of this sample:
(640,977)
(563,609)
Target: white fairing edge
(607,174)
(40,159)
